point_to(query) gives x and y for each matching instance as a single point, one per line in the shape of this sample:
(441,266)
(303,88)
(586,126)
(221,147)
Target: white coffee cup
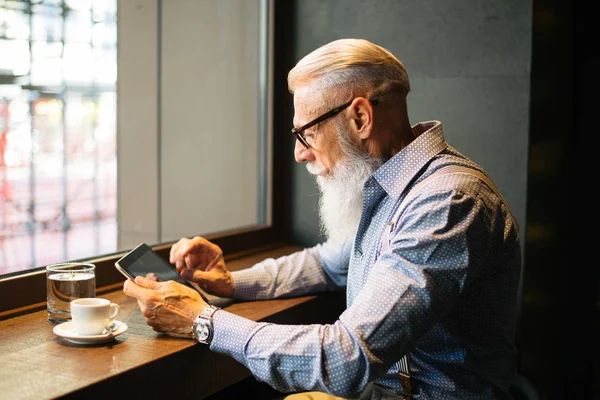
(91,316)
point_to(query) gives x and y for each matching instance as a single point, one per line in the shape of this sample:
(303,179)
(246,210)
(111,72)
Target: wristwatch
(203,325)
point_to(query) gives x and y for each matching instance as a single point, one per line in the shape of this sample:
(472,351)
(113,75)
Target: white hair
(352,65)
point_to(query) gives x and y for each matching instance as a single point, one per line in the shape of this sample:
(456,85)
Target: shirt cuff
(231,335)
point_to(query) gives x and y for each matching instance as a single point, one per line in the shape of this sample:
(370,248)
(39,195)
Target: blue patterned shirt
(444,291)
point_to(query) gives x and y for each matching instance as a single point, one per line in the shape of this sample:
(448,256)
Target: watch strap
(209,311)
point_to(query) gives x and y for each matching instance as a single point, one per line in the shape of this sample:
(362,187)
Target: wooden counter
(140,363)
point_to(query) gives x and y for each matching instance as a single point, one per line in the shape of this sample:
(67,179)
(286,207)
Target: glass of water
(66,282)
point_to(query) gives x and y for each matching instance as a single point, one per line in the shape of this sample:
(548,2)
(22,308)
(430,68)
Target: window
(57,131)
(190,132)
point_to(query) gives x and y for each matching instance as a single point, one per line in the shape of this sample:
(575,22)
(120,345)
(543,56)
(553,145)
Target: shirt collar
(397,172)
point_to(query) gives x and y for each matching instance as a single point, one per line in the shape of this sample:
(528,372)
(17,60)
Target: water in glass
(66,285)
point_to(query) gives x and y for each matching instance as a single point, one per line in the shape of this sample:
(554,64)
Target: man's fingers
(140,287)
(173,254)
(136,289)
(194,275)
(197,244)
(147,283)
(179,265)
(180,250)
(131,289)
(152,276)
(201,258)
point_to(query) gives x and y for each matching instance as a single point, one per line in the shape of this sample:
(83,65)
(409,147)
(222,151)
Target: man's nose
(302,154)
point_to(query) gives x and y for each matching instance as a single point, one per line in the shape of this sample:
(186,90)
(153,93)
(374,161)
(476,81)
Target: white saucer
(67,331)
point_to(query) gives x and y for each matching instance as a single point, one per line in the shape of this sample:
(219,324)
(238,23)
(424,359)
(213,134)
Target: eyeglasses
(308,140)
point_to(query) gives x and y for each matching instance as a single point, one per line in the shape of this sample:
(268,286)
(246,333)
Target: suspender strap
(403,364)
(404,374)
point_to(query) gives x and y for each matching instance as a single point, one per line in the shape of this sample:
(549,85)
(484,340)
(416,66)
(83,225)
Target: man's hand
(201,261)
(168,307)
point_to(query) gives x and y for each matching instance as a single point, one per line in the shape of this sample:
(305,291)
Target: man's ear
(361,115)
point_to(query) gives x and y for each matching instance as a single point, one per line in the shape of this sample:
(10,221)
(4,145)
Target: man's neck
(394,140)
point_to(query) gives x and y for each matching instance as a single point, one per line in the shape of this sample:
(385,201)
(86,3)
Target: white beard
(341,201)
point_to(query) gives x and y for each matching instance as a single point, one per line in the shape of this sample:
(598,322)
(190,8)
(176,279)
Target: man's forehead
(317,100)
(307,103)
(307,97)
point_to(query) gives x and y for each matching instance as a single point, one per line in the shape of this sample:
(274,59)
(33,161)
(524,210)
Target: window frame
(25,291)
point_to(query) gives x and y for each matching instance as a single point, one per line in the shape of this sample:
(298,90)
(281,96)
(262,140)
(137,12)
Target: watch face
(203,326)
(202,331)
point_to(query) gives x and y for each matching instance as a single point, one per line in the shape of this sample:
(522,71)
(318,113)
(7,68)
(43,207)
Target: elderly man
(418,235)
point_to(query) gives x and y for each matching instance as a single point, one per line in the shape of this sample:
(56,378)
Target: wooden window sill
(37,364)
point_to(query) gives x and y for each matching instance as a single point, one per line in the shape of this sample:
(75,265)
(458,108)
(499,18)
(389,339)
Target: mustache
(314,169)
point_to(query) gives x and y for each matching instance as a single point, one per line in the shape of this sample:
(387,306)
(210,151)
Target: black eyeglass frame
(299,132)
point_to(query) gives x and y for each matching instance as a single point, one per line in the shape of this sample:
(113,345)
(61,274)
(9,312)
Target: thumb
(194,275)
(147,283)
